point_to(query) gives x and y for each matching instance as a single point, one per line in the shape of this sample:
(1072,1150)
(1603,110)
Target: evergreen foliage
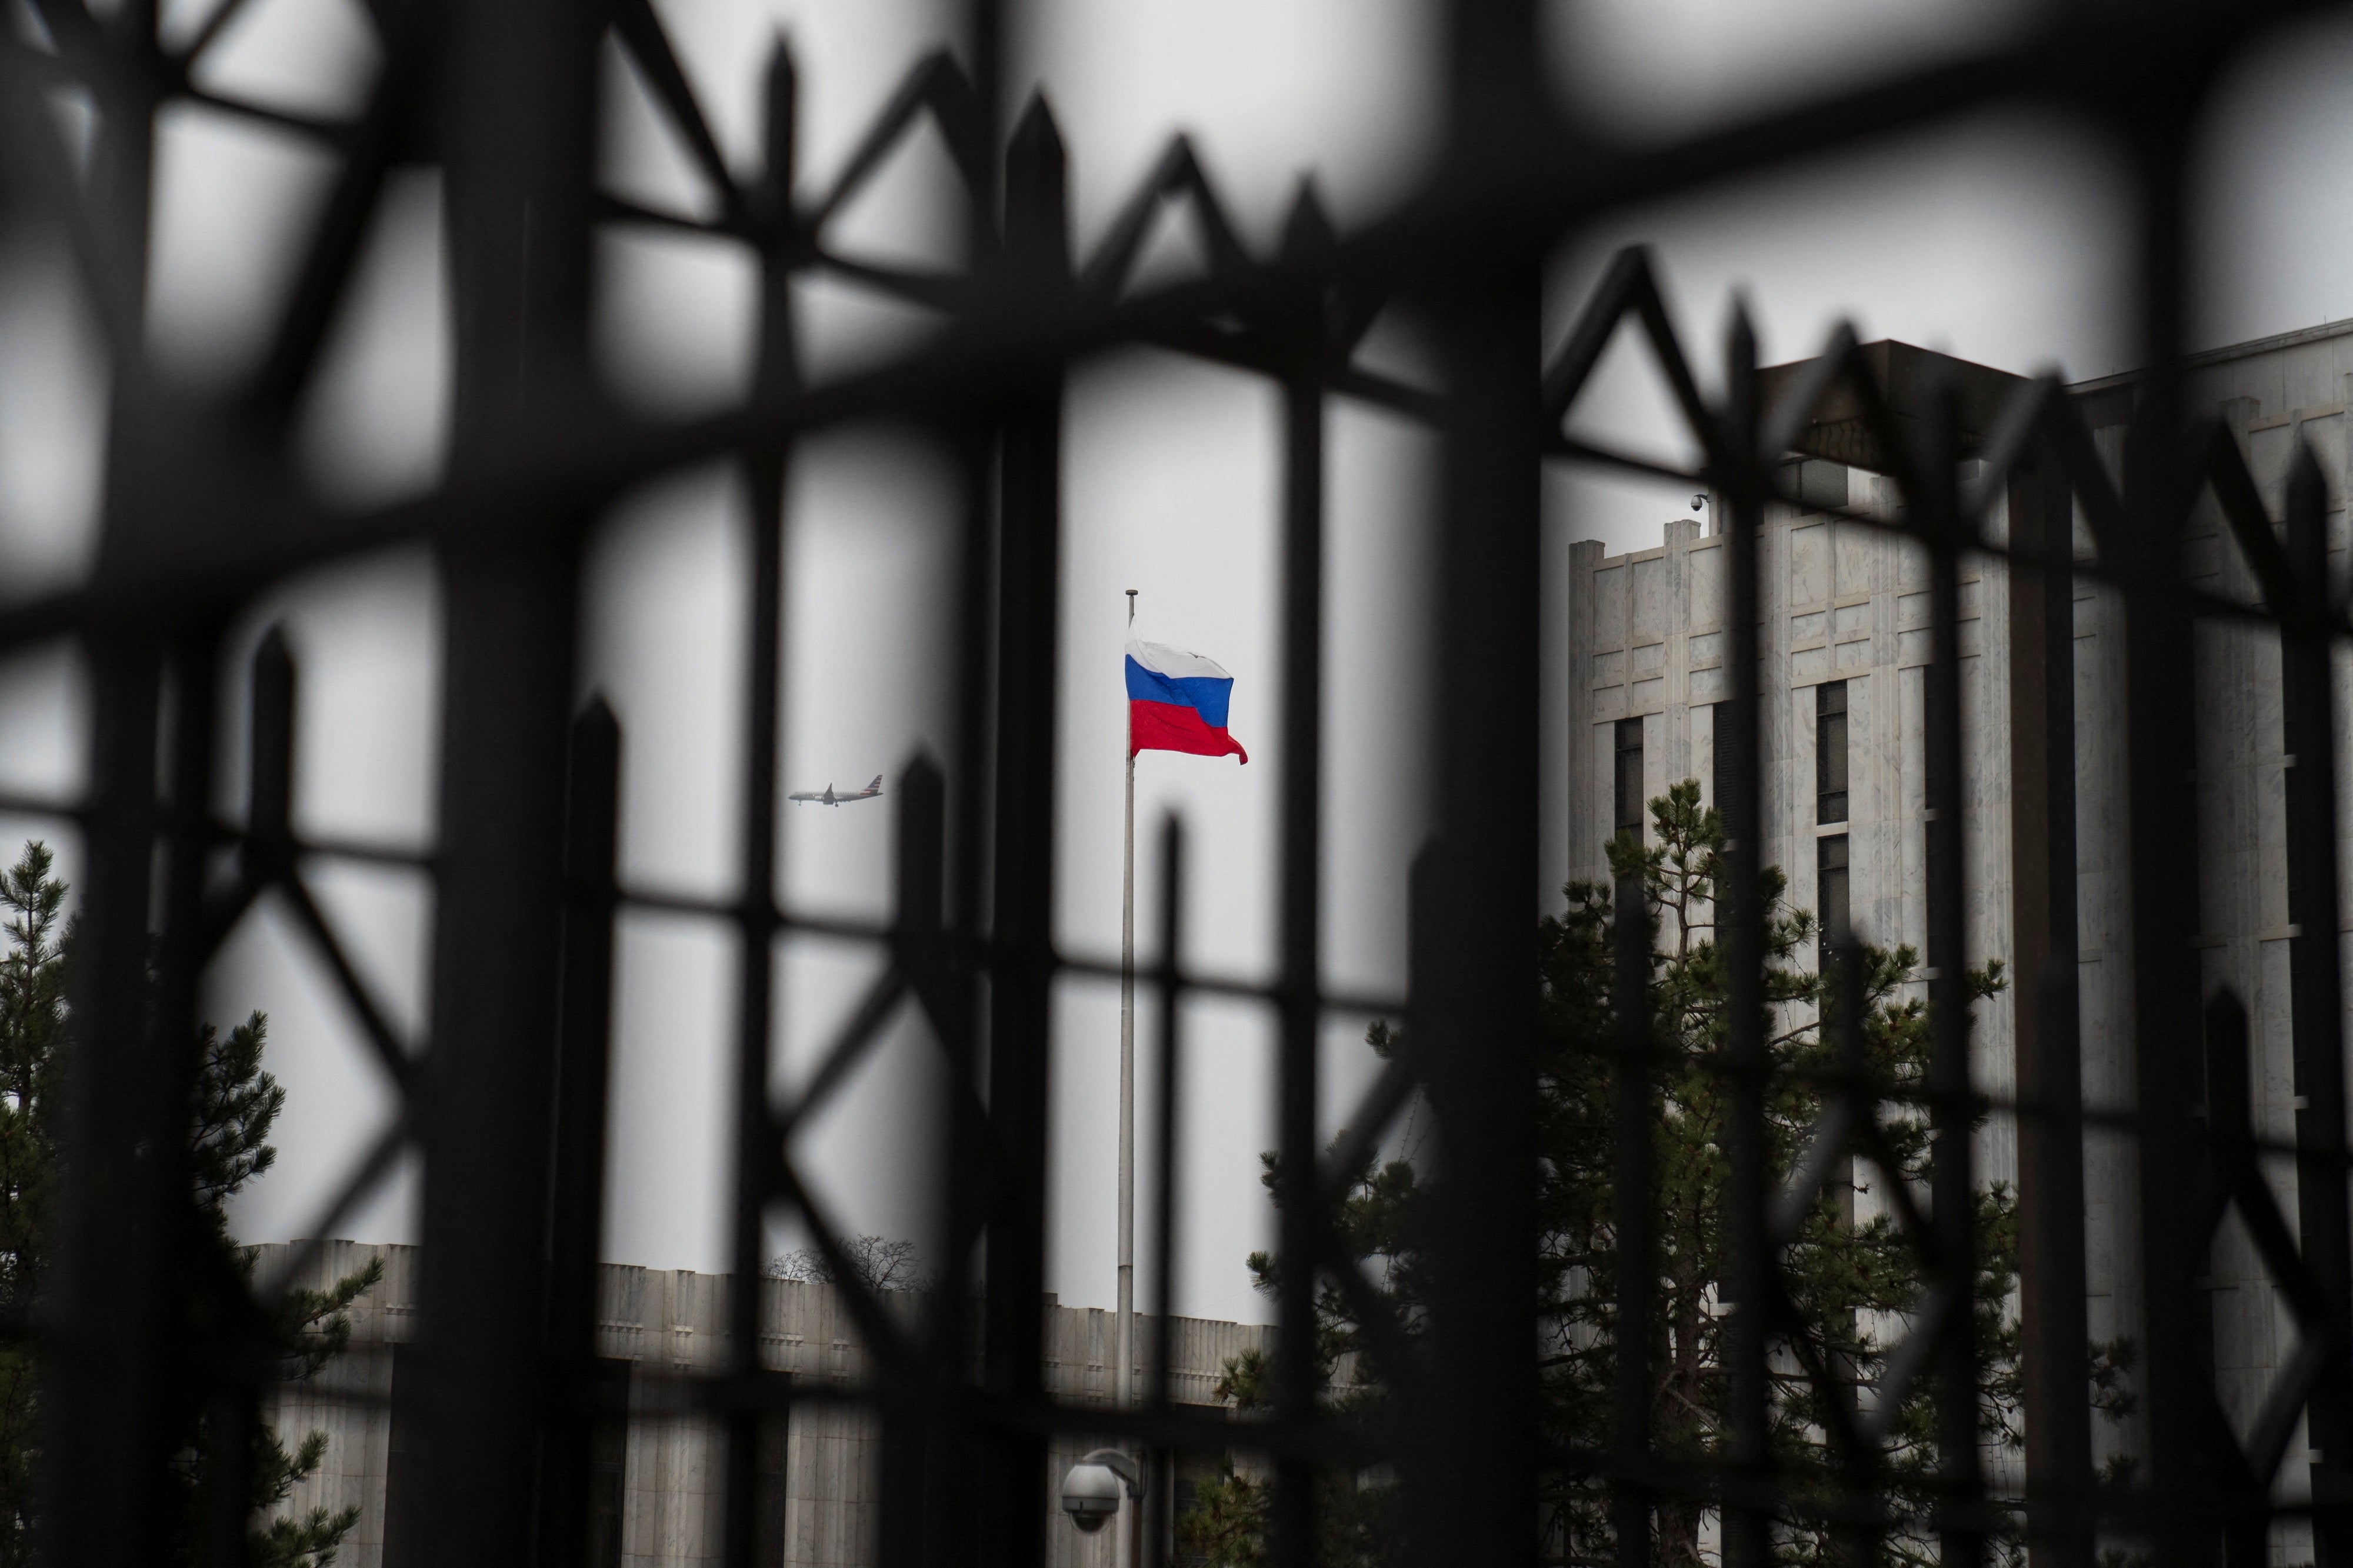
(32,1054)
(1851,1272)
(236,1103)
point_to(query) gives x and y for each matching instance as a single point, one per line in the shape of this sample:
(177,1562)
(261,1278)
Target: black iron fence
(202,514)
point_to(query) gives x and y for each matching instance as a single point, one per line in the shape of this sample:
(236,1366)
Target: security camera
(1089,1496)
(1091,1488)
(1698,501)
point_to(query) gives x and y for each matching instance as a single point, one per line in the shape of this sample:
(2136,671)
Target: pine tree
(1851,1272)
(236,1103)
(32,1056)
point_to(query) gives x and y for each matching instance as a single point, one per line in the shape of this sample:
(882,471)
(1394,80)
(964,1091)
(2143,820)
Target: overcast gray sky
(1998,239)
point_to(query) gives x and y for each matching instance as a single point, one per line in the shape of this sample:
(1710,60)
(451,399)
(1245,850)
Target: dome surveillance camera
(1091,1488)
(1089,1496)
(1698,501)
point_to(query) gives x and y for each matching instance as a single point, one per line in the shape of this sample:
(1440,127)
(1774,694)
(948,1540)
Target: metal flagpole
(1125,1378)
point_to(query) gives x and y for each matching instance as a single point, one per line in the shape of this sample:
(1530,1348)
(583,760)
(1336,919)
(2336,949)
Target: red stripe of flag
(1166,727)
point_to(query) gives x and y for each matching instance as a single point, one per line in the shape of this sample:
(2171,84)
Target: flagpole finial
(1131,606)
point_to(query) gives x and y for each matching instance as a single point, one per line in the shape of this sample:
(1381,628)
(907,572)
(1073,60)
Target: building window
(2288,782)
(1931,884)
(1629,817)
(1831,888)
(1829,752)
(1720,748)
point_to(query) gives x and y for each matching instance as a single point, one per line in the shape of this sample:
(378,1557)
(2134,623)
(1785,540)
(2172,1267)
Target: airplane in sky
(826,797)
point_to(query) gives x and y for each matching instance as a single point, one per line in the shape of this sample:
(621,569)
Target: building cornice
(2224,355)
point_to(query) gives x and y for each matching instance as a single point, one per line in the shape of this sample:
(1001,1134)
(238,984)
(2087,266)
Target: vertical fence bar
(106,1432)
(212,1299)
(2246,1515)
(1471,1478)
(953,1466)
(756,929)
(576,1234)
(2186,1471)
(1863,1539)
(1745,1526)
(1631,1206)
(2317,986)
(1952,1180)
(919,948)
(211,1303)
(756,922)
(1306,239)
(1164,1233)
(1013,1487)
(104,1429)
(493,1071)
(234,1421)
(961,1462)
(2052,1281)
(2178,1353)
(520,92)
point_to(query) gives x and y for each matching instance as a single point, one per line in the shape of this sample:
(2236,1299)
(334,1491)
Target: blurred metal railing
(203,513)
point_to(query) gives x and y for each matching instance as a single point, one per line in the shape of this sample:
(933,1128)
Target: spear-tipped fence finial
(1036,194)
(780,104)
(271,746)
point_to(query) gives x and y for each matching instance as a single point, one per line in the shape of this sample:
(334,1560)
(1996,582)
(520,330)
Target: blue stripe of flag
(1207,694)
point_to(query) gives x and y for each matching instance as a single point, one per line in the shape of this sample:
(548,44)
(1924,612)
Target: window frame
(1835,858)
(1833,754)
(1627,815)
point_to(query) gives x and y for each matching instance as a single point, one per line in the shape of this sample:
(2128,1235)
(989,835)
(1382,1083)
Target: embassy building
(1843,640)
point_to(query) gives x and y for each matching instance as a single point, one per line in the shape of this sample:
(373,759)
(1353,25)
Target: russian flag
(1177,701)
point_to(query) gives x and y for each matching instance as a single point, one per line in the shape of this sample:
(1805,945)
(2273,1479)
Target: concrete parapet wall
(662,1324)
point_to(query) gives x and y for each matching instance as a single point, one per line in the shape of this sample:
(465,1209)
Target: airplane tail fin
(876,787)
